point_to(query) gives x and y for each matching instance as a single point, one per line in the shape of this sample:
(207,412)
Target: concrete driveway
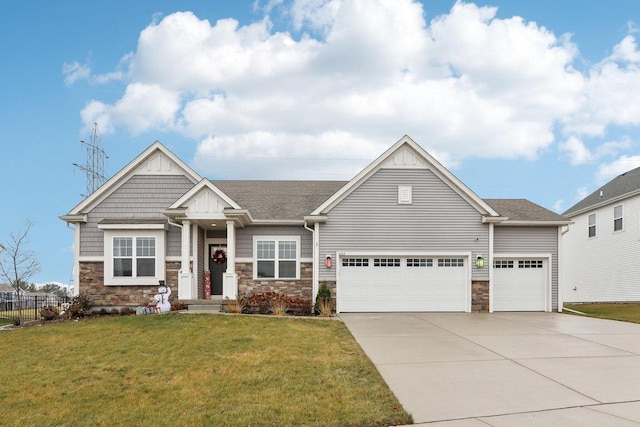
(506,369)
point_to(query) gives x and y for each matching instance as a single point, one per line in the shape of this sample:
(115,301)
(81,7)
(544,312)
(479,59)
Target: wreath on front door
(220,256)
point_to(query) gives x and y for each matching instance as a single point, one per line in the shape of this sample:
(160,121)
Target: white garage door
(519,284)
(402,284)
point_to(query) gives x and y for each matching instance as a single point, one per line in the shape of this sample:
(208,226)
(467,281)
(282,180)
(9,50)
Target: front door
(216,267)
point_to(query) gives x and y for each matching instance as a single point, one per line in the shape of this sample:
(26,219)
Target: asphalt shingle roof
(523,210)
(626,183)
(279,199)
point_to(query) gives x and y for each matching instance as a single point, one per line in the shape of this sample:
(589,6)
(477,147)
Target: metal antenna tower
(94,165)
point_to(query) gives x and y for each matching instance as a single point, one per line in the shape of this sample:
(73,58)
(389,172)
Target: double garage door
(436,283)
(429,283)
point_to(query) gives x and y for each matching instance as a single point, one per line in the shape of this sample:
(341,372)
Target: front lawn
(628,312)
(191,370)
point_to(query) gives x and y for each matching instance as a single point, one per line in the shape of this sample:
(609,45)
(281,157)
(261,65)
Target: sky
(534,99)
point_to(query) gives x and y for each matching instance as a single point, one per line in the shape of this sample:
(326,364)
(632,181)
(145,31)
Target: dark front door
(217,269)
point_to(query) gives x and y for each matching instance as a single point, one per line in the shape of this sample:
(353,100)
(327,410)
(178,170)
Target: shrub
(80,305)
(276,303)
(49,313)
(279,305)
(127,311)
(235,305)
(177,306)
(323,297)
(325,307)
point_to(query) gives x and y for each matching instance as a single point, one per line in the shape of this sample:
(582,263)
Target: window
(502,263)
(355,262)
(126,264)
(419,262)
(450,262)
(530,263)
(592,225)
(617,218)
(386,262)
(133,256)
(404,195)
(276,257)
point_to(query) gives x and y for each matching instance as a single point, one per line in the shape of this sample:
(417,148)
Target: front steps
(204,306)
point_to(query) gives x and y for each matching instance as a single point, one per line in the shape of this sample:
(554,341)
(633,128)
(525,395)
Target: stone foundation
(479,297)
(292,288)
(92,283)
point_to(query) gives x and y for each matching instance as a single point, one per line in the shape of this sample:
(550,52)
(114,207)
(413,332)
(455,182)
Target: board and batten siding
(244,238)
(605,267)
(142,196)
(530,240)
(371,219)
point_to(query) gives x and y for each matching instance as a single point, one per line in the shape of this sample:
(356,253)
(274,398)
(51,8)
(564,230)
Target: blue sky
(519,99)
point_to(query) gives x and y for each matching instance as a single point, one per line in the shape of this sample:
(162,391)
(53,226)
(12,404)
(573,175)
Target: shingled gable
(621,187)
(155,159)
(410,154)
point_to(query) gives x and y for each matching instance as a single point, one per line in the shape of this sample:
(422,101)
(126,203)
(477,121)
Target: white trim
(204,183)
(454,183)
(91,258)
(114,182)
(278,238)
(76,260)
(173,258)
(491,256)
(160,266)
(132,226)
(560,275)
(244,260)
(548,257)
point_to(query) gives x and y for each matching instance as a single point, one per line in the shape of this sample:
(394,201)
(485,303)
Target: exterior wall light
(329,261)
(479,262)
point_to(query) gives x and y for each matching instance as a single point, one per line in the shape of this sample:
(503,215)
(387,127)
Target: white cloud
(558,206)
(578,153)
(75,71)
(608,171)
(364,73)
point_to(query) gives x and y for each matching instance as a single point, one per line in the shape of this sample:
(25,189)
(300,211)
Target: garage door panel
(403,286)
(519,284)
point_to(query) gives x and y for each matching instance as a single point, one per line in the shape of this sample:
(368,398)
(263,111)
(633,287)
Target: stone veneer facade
(292,288)
(92,282)
(479,296)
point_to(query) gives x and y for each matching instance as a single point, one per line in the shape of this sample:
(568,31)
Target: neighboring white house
(601,250)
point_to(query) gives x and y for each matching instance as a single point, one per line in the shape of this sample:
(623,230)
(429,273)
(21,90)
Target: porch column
(230,280)
(185,277)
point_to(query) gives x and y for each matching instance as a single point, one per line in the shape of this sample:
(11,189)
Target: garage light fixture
(479,262)
(329,261)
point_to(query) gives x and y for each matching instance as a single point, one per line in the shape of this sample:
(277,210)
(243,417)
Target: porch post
(184,277)
(230,280)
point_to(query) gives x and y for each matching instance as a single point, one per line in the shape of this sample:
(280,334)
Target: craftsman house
(403,235)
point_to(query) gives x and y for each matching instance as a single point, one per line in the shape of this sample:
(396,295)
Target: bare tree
(17,263)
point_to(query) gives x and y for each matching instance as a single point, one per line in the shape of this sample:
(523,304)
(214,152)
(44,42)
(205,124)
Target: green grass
(191,370)
(627,312)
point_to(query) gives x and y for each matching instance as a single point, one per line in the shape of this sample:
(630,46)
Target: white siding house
(602,248)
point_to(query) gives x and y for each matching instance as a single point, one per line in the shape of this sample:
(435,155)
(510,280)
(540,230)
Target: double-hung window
(133,256)
(592,225)
(277,257)
(128,262)
(617,218)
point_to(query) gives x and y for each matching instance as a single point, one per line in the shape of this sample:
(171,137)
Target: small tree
(18,264)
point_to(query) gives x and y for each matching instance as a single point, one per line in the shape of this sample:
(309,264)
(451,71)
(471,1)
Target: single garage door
(378,284)
(519,284)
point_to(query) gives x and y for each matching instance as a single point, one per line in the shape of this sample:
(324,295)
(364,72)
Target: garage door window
(502,263)
(419,262)
(386,262)
(450,262)
(530,263)
(355,262)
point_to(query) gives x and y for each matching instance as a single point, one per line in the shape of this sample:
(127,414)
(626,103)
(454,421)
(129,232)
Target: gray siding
(530,240)
(142,196)
(370,219)
(244,238)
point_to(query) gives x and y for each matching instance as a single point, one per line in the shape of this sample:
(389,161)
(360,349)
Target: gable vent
(404,195)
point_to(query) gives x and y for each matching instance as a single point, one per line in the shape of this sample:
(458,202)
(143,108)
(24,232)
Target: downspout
(314,268)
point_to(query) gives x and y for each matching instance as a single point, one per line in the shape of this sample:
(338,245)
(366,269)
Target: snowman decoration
(162,299)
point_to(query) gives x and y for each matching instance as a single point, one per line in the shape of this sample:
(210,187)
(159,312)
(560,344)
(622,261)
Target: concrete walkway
(506,369)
